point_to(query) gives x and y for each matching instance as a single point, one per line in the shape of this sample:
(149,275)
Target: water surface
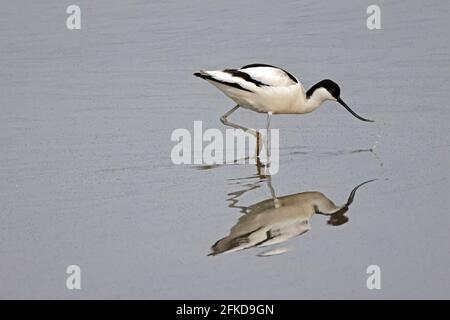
(85,170)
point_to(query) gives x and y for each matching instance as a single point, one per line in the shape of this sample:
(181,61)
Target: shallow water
(86,176)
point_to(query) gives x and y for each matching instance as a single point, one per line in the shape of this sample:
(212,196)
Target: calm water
(86,176)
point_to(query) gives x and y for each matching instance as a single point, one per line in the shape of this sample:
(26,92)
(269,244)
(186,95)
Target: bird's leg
(269,115)
(225,121)
(260,167)
(258,144)
(266,143)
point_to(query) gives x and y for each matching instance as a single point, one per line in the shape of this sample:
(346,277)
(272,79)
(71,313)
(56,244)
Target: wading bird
(278,219)
(268,89)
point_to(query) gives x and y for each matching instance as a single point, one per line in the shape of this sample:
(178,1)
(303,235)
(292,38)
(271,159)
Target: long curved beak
(344,208)
(353,192)
(351,111)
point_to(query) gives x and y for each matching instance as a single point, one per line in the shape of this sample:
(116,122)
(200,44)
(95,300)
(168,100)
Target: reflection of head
(338,218)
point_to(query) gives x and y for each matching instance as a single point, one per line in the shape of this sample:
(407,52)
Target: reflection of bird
(268,89)
(277,220)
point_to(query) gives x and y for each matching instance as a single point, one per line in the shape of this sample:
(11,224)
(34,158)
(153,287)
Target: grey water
(86,176)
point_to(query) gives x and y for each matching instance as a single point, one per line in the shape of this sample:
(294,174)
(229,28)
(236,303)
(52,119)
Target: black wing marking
(244,76)
(230,244)
(269,236)
(230,84)
(255,65)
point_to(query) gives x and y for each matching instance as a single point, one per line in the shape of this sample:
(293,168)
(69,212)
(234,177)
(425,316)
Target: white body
(278,92)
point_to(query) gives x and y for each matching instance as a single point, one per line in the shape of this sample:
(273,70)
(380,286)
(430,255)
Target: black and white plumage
(276,220)
(269,89)
(258,87)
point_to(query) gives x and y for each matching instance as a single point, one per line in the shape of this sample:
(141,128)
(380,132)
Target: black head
(337,219)
(327,84)
(334,93)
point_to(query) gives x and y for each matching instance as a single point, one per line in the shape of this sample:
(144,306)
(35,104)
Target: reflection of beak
(352,194)
(344,208)
(351,111)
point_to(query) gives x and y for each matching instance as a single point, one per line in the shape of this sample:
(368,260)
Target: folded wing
(269,75)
